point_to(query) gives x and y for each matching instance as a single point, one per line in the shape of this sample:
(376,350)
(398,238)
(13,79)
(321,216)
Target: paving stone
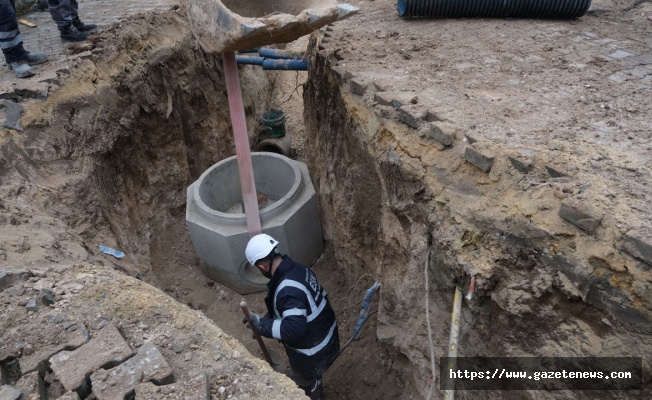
(9,393)
(357,87)
(638,243)
(638,71)
(13,110)
(442,133)
(32,89)
(620,54)
(479,156)
(147,365)
(339,74)
(555,172)
(194,388)
(28,384)
(607,299)
(580,214)
(619,77)
(410,115)
(643,59)
(384,99)
(432,117)
(522,164)
(52,339)
(72,367)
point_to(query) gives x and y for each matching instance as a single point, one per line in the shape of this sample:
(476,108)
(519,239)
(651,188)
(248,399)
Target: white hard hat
(259,247)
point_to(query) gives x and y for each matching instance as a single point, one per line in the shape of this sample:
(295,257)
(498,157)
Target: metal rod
(454,338)
(241,140)
(245,310)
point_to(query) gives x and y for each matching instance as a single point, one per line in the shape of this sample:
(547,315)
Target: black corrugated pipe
(556,9)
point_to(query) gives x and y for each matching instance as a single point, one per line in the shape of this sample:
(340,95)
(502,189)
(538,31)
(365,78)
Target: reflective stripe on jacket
(301,316)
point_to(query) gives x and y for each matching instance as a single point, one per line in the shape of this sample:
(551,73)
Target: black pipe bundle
(555,9)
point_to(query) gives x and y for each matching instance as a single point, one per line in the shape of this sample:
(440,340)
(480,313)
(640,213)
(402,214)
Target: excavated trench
(108,161)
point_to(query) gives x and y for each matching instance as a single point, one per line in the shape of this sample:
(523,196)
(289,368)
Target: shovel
(275,364)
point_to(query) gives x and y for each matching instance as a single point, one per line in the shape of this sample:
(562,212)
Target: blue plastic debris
(112,252)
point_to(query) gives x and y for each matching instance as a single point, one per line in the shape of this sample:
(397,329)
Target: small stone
(14,110)
(414,100)
(236,354)
(31,305)
(46,296)
(177,346)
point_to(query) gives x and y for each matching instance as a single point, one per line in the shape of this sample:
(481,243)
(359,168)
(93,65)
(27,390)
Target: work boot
(21,69)
(40,6)
(70,34)
(82,27)
(36,58)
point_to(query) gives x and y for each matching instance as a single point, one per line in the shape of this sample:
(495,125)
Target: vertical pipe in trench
(241,140)
(454,338)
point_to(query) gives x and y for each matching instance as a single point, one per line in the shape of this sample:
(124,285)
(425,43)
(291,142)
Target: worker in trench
(299,314)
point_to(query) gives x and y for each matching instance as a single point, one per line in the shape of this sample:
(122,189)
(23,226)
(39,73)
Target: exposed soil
(560,107)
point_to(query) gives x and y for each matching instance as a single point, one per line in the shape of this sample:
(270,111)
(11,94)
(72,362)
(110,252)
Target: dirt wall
(110,154)
(391,194)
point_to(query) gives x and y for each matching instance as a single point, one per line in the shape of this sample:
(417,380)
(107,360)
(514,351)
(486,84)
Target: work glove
(255,321)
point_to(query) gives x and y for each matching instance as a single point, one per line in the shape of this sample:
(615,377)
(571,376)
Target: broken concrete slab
(194,388)
(479,156)
(638,244)
(580,214)
(236,25)
(147,365)
(410,115)
(32,89)
(13,111)
(72,367)
(8,392)
(52,339)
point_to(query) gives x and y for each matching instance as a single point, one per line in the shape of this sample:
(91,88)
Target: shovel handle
(245,310)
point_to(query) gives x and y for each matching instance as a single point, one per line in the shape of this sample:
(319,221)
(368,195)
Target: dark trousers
(312,387)
(63,11)
(11,41)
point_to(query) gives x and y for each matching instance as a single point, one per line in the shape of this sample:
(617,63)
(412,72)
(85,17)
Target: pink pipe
(241,139)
